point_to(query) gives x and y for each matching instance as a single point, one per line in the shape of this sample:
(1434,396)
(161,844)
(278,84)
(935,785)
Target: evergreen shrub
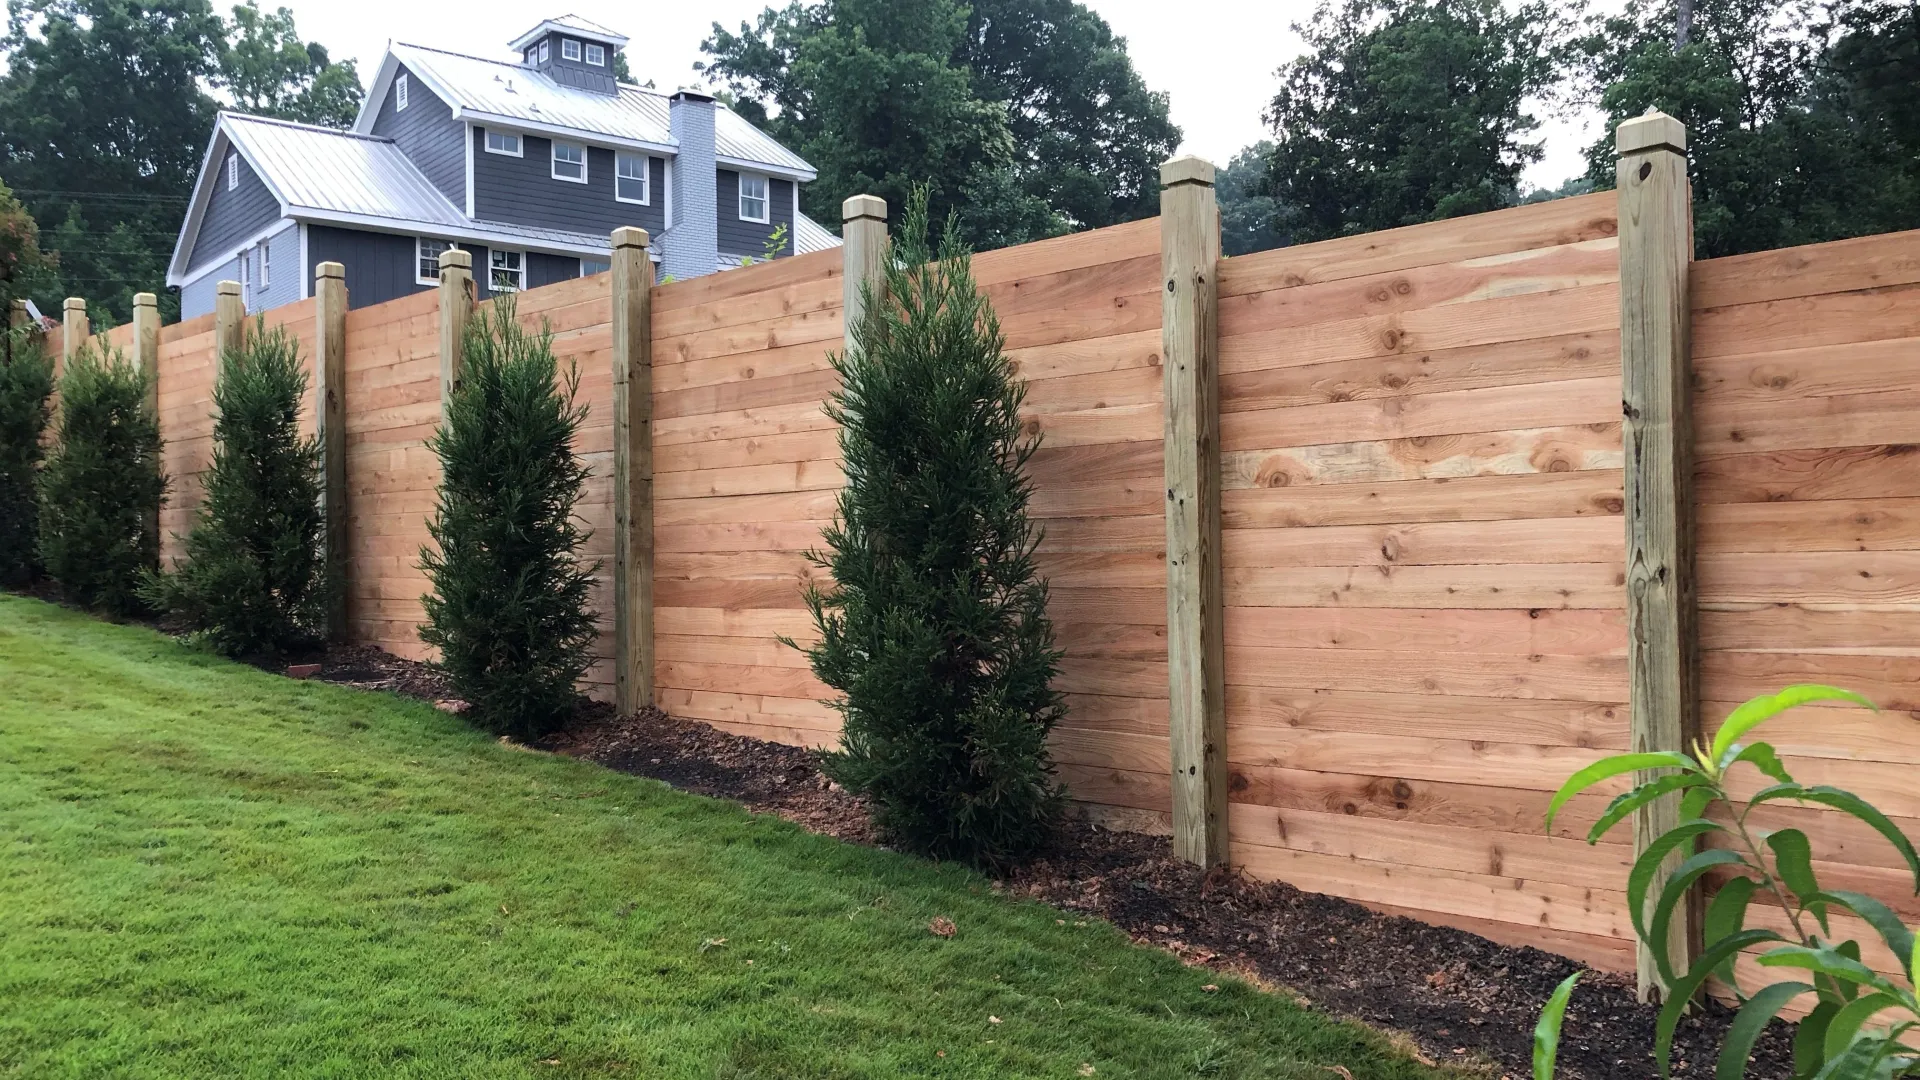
(508,610)
(26,385)
(934,628)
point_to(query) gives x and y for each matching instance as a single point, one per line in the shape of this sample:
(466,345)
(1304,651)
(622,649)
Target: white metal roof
(810,236)
(514,94)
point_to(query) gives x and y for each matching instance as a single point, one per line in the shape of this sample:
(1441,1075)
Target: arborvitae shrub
(254,580)
(934,630)
(508,610)
(101,483)
(26,382)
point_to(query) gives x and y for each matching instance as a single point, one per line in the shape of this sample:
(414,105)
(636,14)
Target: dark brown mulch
(1457,996)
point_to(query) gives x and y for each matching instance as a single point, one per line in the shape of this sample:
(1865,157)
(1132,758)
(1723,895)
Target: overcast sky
(1216,59)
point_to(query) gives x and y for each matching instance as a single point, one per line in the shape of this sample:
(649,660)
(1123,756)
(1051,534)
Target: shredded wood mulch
(1456,997)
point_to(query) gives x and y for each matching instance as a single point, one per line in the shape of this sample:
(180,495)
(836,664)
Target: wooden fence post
(74,331)
(1656,244)
(146,360)
(456,307)
(330,427)
(1196,659)
(17,318)
(229,320)
(632,471)
(863,253)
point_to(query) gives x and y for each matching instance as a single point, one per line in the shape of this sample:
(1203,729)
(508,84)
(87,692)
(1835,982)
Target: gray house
(527,164)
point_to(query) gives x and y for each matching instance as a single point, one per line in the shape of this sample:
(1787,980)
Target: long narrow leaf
(1607,768)
(1628,801)
(1793,855)
(1845,1027)
(1757,711)
(1647,866)
(1854,1063)
(1748,1025)
(1546,1033)
(1681,991)
(1675,893)
(1762,757)
(1899,939)
(1865,811)
(1726,916)
(1829,962)
(1809,1039)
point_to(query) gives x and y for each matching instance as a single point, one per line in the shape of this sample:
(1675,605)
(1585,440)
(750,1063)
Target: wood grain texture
(330,420)
(631,284)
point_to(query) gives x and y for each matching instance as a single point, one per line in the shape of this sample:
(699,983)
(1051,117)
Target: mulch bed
(1456,996)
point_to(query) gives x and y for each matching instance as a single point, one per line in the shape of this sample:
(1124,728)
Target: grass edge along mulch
(211,870)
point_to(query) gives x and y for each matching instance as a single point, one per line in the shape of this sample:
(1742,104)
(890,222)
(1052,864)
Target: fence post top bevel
(145,299)
(455,259)
(864,206)
(627,236)
(227,288)
(1186,169)
(74,303)
(1653,131)
(329,270)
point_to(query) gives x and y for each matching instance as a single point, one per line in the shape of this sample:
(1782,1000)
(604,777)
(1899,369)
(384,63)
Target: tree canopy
(105,109)
(1405,111)
(1025,118)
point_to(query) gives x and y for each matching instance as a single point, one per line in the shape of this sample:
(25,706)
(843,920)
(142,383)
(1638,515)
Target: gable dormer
(573,52)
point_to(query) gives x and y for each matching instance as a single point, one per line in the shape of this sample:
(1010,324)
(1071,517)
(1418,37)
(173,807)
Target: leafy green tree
(1803,124)
(100,484)
(271,72)
(1250,217)
(934,629)
(23,266)
(254,580)
(1405,111)
(102,122)
(26,382)
(1026,117)
(508,610)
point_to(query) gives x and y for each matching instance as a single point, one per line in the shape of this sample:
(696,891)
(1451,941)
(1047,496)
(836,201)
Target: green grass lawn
(209,871)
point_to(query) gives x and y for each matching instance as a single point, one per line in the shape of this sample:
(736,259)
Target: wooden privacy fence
(1354,552)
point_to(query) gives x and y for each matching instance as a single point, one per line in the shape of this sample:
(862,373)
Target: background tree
(1405,111)
(1027,114)
(254,580)
(24,267)
(508,610)
(271,72)
(1250,217)
(934,629)
(100,483)
(26,382)
(1803,124)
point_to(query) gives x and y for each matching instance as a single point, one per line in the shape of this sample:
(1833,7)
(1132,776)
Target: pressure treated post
(632,471)
(456,308)
(146,360)
(863,253)
(1656,243)
(74,331)
(1196,659)
(330,427)
(229,319)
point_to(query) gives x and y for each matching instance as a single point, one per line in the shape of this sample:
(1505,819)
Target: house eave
(586,135)
(784,172)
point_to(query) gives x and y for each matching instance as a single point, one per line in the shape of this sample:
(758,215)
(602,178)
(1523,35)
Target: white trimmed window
(569,50)
(546,51)
(504,142)
(753,198)
(266,265)
(596,54)
(427,252)
(590,267)
(400,94)
(506,270)
(233,171)
(569,162)
(630,178)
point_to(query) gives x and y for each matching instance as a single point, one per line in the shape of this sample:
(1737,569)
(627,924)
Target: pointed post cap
(329,270)
(145,299)
(455,259)
(226,288)
(76,303)
(629,237)
(1654,131)
(1186,169)
(864,206)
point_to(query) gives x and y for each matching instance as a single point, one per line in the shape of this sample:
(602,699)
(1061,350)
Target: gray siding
(231,216)
(738,237)
(379,265)
(282,284)
(196,296)
(522,190)
(429,135)
(576,73)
